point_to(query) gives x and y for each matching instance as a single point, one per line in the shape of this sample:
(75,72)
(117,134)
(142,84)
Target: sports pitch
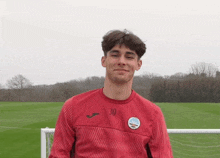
(20,124)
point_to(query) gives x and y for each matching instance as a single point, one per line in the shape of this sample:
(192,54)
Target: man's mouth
(121,70)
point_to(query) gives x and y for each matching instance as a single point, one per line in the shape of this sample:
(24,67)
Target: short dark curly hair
(127,38)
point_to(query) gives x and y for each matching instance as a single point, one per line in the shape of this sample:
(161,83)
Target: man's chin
(120,80)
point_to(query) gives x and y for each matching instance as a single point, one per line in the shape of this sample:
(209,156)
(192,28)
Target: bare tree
(217,74)
(1,92)
(1,86)
(204,69)
(177,76)
(19,83)
(150,75)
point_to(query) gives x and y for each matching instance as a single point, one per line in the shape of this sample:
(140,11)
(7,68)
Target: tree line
(202,84)
(191,88)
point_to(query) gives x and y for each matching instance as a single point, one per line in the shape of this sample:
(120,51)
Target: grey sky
(59,40)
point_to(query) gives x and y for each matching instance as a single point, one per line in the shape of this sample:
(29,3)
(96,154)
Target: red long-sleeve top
(90,125)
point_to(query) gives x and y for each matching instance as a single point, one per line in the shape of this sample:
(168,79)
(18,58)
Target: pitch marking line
(18,128)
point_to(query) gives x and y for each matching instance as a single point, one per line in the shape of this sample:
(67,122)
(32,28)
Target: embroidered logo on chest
(94,114)
(134,123)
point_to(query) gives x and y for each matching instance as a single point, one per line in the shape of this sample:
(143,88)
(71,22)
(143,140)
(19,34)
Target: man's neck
(117,91)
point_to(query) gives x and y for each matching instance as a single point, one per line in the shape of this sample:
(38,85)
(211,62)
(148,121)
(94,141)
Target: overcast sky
(60,40)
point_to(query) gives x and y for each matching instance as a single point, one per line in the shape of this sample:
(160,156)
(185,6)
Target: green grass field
(20,124)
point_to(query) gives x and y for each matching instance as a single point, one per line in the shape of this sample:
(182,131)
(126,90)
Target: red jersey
(90,125)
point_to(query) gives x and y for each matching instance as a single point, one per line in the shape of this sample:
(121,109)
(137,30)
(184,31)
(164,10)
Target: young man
(113,121)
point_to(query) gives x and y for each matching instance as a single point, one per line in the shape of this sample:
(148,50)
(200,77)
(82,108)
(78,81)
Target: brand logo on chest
(94,114)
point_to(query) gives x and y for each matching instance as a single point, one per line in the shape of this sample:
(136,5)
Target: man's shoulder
(147,103)
(83,97)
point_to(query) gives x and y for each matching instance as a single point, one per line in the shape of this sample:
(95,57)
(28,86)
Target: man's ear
(103,59)
(139,64)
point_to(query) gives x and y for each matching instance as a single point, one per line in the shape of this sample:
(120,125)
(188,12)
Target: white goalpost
(47,132)
(45,141)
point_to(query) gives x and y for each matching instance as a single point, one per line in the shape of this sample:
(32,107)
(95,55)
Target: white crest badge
(134,123)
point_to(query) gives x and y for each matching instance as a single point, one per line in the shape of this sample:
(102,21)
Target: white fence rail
(45,131)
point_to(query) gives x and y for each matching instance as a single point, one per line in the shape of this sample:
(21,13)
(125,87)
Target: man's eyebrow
(131,53)
(114,51)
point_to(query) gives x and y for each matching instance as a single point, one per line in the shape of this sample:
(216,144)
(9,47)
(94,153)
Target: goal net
(186,143)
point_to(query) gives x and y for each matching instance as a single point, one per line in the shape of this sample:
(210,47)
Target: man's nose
(121,61)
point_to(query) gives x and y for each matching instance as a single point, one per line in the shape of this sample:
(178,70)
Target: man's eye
(114,55)
(130,57)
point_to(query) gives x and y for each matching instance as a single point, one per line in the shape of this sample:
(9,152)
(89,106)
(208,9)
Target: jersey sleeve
(159,144)
(64,135)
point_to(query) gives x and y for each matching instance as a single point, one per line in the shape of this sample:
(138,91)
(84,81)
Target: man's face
(121,63)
